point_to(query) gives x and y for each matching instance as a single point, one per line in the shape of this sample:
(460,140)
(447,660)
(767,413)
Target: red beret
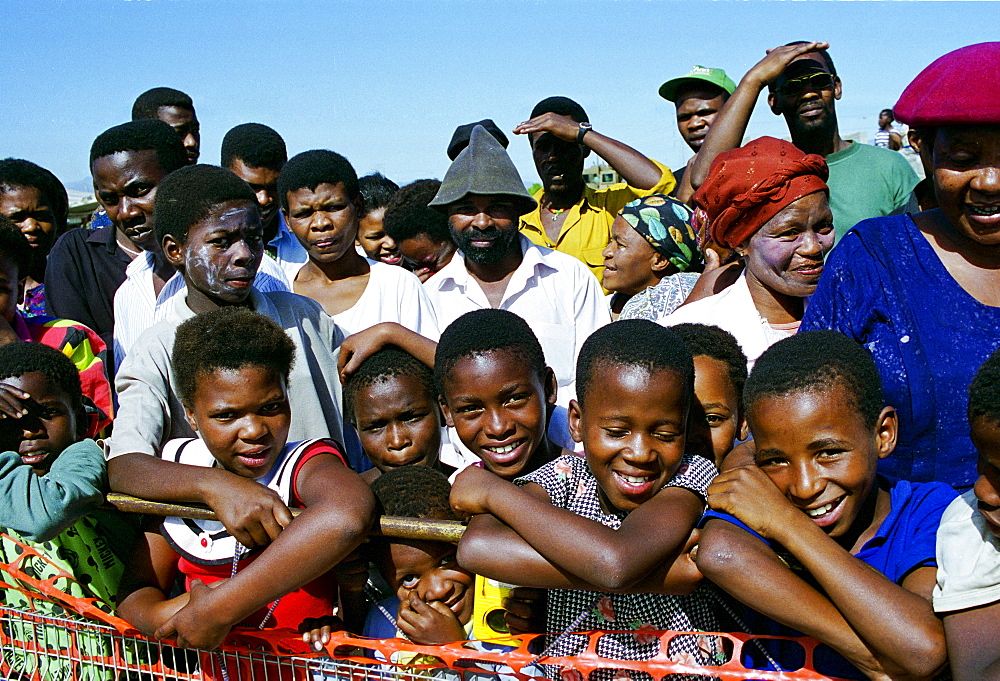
(748,186)
(959,88)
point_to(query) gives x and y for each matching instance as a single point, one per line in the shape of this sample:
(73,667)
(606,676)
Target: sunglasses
(814,81)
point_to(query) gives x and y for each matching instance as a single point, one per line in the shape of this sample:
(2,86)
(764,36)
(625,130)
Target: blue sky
(386,82)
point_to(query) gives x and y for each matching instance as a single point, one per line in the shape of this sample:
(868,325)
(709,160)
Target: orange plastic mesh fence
(58,637)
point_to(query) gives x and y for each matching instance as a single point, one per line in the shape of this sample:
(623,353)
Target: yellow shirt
(587,229)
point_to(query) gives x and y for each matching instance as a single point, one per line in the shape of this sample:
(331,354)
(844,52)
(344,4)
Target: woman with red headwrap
(767,201)
(922,292)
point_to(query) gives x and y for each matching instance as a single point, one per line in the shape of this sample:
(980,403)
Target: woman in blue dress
(922,292)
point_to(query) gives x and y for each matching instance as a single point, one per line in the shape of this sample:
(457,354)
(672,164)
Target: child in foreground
(53,482)
(720,372)
(967,594)
(231,367)
(496,391)
(392,403)
(616,522)
(432,599)
(809,535)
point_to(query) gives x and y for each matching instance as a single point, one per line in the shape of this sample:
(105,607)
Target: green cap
(716,77)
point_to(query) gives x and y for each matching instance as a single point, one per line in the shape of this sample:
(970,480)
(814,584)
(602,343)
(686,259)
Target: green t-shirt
(56,515)
(867,182)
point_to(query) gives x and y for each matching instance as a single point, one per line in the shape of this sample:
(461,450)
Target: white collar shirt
(555,293)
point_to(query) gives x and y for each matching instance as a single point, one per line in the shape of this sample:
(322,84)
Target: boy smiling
(808,534)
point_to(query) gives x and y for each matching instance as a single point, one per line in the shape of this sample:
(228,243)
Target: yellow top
(587,229)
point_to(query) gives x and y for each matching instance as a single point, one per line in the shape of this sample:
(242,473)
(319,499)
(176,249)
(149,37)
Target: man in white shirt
(496,267)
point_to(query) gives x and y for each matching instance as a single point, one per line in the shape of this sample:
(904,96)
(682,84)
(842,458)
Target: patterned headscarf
(665,223)
(748,186)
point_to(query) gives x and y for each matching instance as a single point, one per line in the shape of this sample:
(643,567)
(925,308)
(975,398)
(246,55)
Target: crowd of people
(758,393)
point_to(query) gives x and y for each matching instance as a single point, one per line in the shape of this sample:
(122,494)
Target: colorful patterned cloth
(87,351)
(656,302)
(33,304)
(665,223)
(572,486)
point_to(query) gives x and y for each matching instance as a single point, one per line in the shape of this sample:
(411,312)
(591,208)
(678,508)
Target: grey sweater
(149,413)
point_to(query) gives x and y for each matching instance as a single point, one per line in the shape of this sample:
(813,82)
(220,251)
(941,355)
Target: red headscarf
(748,186)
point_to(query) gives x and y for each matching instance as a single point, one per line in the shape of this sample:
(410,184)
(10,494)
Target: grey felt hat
(483,167)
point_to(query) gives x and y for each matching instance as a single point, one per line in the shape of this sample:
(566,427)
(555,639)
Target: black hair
(816,361)
(17,172)
(139,136)
(408,216)
(19,358)
(15,246)
(480,332)
(187,195)
(564,106)
(256,145)
(888,111)
(984,391)
(384,364)
(148,104)
(633,342)
(227,339)
(313,168)
(711,341)
(414,492)
(377,190)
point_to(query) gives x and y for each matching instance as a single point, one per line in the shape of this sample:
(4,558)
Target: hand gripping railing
(59,637)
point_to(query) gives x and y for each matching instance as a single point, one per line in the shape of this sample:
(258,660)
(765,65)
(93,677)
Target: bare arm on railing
(895,621)
(972,643)
(560,549)
(339,511)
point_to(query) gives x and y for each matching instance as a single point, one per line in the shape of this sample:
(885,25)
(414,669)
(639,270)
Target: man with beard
(256,154)
(497,267)
(865,181)
(85,267)
(570,216)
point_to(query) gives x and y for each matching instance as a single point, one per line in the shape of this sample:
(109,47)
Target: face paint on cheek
(205,273)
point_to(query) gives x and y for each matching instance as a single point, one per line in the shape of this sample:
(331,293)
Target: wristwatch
(584,128)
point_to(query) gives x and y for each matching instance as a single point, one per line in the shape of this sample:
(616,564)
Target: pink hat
(959,88)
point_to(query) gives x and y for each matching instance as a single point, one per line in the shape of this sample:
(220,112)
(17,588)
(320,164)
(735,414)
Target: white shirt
(968,558)
(732,310)
(392,295)
(291,255)
(137,308)
(555,293)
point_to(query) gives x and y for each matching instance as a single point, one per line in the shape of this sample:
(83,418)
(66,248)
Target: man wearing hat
(698,96)
(803,87)
(497,267)
(570,216)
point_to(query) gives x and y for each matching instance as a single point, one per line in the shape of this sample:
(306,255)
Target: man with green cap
(698,96)
(497,267)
